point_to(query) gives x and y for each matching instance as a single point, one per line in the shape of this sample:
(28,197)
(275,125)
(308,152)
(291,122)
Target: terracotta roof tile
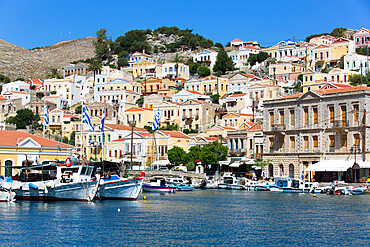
(236,40)
(175,134)
(194,92)
(123,127)
(13,137)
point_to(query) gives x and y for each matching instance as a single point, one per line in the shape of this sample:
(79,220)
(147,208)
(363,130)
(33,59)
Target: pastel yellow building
(236,119)
(18,148)
(141,116)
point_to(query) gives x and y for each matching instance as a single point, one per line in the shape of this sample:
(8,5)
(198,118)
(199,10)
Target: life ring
(82,161)
(68,161)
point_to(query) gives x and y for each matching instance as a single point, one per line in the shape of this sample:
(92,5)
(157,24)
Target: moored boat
(158,185)
(119,188)
(6,195)
(54,182)
(359,191)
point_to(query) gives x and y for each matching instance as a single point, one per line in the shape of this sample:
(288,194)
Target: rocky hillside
(18,62)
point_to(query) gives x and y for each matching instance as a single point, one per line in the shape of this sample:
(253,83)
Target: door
(8,168)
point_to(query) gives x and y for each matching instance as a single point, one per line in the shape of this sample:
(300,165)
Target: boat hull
(78,191)
(151,188)
(123,189)
(7,196)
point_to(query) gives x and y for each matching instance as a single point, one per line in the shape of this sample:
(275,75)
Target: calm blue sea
(199,218)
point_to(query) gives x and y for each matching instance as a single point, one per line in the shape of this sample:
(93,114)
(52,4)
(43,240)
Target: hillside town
(293,109)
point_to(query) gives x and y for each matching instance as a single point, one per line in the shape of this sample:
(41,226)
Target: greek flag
(46,115)
(102,123)
(156,121)
(86,117)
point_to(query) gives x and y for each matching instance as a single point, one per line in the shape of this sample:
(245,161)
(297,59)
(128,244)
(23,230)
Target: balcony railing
(340,123)
(278,127)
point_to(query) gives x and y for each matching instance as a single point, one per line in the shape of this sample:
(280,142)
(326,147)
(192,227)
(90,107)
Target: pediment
(29,143)
(238,76)
(230,115)
(309,96)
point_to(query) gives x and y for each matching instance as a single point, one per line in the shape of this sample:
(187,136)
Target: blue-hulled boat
(158,185)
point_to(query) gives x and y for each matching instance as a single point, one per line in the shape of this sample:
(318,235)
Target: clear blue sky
(32,23)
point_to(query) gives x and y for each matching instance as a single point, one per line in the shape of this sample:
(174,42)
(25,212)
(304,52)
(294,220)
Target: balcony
(340,123)
(278,127)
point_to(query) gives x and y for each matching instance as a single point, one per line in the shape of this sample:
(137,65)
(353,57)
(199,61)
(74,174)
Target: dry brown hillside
(17,62)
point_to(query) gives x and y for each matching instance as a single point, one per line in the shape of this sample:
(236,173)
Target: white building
(16,86)
(240,57)
(355,61)
(65,88)
(169,70)
(185,95)
(138,57)
(60,101)
(26,98)
(206,56)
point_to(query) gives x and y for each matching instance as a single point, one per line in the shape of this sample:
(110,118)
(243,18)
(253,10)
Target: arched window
(281,170)
(8,169)
(271,171)
(291,170)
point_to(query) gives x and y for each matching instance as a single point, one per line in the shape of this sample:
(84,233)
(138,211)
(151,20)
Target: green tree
(203,71)
(33,87)
(223,63)
(176,155)
(78,109)
(95,66)
(362,51)
(72,138)
(20,79)
(338,32)
(140,101)
(172,127)
(215,98)
(193,155)
(102,45)
(193,68)
(356,79)
(177,59)
(24,117)
(219,45)
(4,79)
(258,58)
(213,153)
(54,74)
(190,166)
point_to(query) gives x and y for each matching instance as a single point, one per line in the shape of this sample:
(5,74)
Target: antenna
(69,35)
(60,37)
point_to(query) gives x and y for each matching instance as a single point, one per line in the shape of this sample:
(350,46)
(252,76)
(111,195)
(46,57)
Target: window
(315,141)
(356,138)
(331,114)
(291,170)
(271,118)
(292,120)
(271,143)
(344,140)
(332,141)
(315,115)
(344,115)
(281,117)
(305,142)
(292,142)
(305,117)
(355,113)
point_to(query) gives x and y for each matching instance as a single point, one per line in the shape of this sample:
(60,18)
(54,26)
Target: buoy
(314,195)
(144,197)
(119,210)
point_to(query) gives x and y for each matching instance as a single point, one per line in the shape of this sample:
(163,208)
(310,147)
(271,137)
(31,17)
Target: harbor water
(199,218)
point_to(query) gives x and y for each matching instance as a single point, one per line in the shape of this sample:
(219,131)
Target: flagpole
(81,154)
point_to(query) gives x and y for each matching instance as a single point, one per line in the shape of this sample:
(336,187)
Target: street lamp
(132,125)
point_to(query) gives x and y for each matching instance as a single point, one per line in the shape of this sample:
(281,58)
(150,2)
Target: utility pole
(364,134)
(60,37)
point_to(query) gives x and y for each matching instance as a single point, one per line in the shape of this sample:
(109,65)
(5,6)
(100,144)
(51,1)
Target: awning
(336,165)
(235,164)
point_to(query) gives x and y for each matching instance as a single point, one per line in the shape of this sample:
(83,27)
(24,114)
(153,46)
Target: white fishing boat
(54,182)
(115,183)
(290,185)
(6,195)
